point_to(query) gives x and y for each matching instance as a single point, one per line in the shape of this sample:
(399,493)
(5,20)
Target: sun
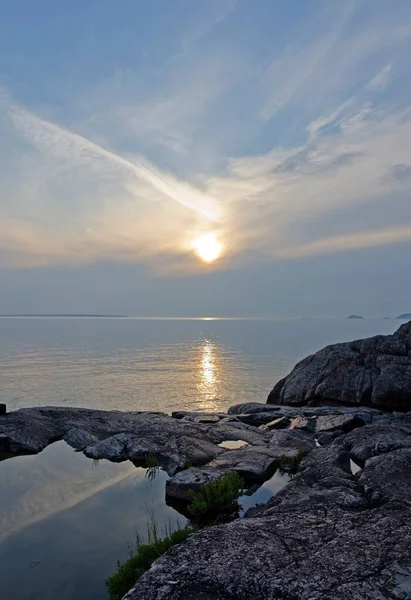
(207,247)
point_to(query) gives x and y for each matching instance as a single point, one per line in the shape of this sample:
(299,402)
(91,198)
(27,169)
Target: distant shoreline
(74,316)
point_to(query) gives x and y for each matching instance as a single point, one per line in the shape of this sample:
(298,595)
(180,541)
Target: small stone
(304,423)
(280,423)
(325,439)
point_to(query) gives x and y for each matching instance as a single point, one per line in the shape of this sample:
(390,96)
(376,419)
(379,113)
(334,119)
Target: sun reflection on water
(208,376)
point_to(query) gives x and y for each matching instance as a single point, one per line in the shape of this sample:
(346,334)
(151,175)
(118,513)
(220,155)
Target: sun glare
(207,247)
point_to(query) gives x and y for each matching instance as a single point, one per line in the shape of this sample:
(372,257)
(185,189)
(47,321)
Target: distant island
(68,315)
(355,317)
(404,316)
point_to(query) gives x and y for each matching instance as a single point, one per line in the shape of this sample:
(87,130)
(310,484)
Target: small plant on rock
(152,467)
(216,501)
(142,556)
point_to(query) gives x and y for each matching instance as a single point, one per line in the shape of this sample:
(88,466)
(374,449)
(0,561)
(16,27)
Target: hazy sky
(130,128)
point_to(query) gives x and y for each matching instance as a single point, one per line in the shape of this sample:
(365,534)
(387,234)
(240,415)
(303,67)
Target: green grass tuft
(216,500)
(152,466)
(141,559)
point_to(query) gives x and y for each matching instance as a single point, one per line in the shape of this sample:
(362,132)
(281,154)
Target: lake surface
(133,364)
(66,520)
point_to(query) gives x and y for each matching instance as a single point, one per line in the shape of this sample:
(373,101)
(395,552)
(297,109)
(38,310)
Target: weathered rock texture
(119,436)
(328,535)
(186,446)
(187,440)
(370,372)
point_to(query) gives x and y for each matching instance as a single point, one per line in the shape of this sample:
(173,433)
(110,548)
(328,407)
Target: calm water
(64,520)
(134,364)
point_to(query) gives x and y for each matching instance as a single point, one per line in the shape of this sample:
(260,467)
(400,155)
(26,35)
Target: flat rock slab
(280,423)
(327,535)
(332,423)
(374,372)
(254,463)
(185,483)
(119,436)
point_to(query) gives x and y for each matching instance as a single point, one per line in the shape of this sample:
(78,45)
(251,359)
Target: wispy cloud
(279,194)
(381,79)
(350,241)
(295,69)
(217,11)
(324,149)
(70,198)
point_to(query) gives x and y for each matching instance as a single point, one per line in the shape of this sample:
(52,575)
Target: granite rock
(372,372)
(327,535)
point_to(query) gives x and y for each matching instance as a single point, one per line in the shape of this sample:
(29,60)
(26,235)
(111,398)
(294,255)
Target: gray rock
(328,534)
(304,423)
(371,372)
(280,423)
(319,538)
(184,483)
(250,408)
(332,423)
(381,437)
(119,436)
(256,419)
(325,439)
(378,487)
(255,463)
(198,417)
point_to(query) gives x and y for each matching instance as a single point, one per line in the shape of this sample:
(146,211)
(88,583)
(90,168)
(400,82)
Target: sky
(129,130)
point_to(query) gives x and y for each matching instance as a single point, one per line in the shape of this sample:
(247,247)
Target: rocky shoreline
(332,533)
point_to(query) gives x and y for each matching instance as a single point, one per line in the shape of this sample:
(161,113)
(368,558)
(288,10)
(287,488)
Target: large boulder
(371,372)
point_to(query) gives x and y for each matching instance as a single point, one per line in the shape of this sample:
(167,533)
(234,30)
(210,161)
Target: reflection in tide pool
(266,491)
(65,521)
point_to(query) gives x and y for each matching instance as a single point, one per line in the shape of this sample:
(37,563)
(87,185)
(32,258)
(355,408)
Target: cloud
(401,172)
(329,54)
(295,69)
(380,81)
(275,197)
(57,142)
(347,242)
(166,116)
(71,199)
(118,181)
(217,11)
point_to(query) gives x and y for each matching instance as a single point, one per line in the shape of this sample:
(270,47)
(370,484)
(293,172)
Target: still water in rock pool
(66,520)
